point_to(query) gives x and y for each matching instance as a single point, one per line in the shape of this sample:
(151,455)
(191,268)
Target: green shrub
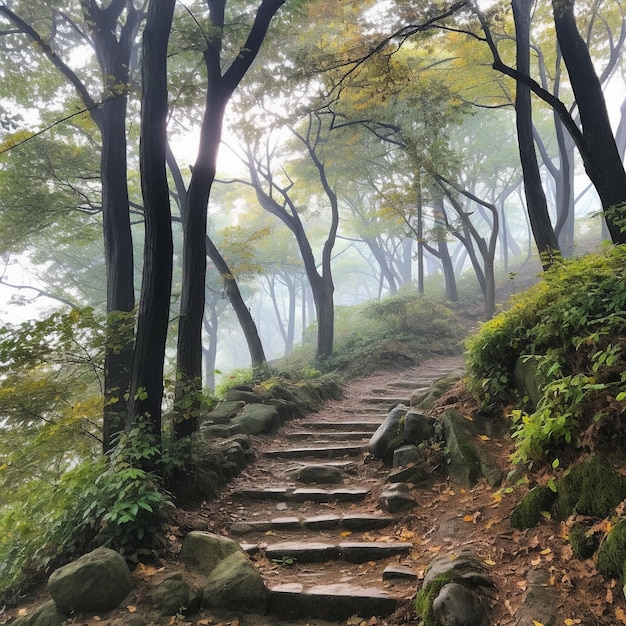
(572,323)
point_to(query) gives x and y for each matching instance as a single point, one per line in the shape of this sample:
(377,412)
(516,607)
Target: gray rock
(396,497)
(94,583)
(406,455)
(203,551)
(171,597)
(235,584)
(528,380)
(460,563)
(243,395)
(457,605)
(317,474)
(389,435)
(255,419)
(45,615)
(418,428)
(463,462)
(224,412)
(416,475)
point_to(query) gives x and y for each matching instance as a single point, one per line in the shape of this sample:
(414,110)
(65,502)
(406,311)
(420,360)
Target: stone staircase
(307,511)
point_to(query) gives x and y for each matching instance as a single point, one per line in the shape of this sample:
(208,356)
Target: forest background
(373,147)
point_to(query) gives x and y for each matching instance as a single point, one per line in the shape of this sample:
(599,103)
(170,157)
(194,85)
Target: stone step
(349,551)
(351,522)
(320,452)
(293,601)
(303,494)
(327,437)
(349,426)
(391,400)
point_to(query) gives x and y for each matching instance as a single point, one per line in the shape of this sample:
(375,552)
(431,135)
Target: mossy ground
(528,512)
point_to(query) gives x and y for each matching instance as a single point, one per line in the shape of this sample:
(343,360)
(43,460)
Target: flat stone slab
(354,522)
(349,551)
(292,601)
(350,426)
(335,435)
(267,493)
(302,552)
(364,551)
(322,452)
(399,572)
(325,495)
(392,400)
(364,521)
(322,522)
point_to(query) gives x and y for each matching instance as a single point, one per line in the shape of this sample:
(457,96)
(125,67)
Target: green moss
(583,544)
(612,553)
(423,602)
(528,512)
(591,488)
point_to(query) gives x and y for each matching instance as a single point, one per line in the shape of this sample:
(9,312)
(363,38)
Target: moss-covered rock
(612,553)
(592,488)
(528,512)
(424,599)
(583,543)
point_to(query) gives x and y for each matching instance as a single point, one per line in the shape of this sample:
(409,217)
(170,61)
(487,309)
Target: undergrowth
(572,324)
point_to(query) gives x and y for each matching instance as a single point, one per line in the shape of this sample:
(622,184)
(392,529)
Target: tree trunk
(603,162)
(536,203)
(146,389)
(195,240)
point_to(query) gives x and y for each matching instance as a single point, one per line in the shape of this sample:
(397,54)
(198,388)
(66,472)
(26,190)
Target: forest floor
(537,579)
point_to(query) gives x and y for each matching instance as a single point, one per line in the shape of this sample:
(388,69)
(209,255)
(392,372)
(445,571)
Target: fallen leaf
(609,596)
(22,612)
(484,438)
(489,561)
(131,608)
(546,551)
(621,616)
(536,623)
(535,561)
(346,533)
(490,523)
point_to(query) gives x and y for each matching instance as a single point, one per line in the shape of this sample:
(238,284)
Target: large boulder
(418,428)
(389,435)
(255,419)
(235,584)
(94,583)
(203,551)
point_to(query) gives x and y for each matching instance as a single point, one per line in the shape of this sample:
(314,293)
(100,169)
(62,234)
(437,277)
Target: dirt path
(446,519)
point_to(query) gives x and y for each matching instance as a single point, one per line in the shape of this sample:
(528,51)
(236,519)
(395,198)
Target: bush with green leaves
(572,323)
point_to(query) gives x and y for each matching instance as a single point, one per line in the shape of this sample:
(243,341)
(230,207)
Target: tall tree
(219,89)
(146,385)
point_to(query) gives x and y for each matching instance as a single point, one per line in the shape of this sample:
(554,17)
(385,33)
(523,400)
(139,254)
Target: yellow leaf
(545,514)
(132,608)
(536,623)
(22,612)
(621,616)
(346,533)
(489,562)
(468,518)
(484,438)
(546,551)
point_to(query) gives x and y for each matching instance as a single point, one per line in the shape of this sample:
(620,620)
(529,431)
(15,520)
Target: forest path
(325,548)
